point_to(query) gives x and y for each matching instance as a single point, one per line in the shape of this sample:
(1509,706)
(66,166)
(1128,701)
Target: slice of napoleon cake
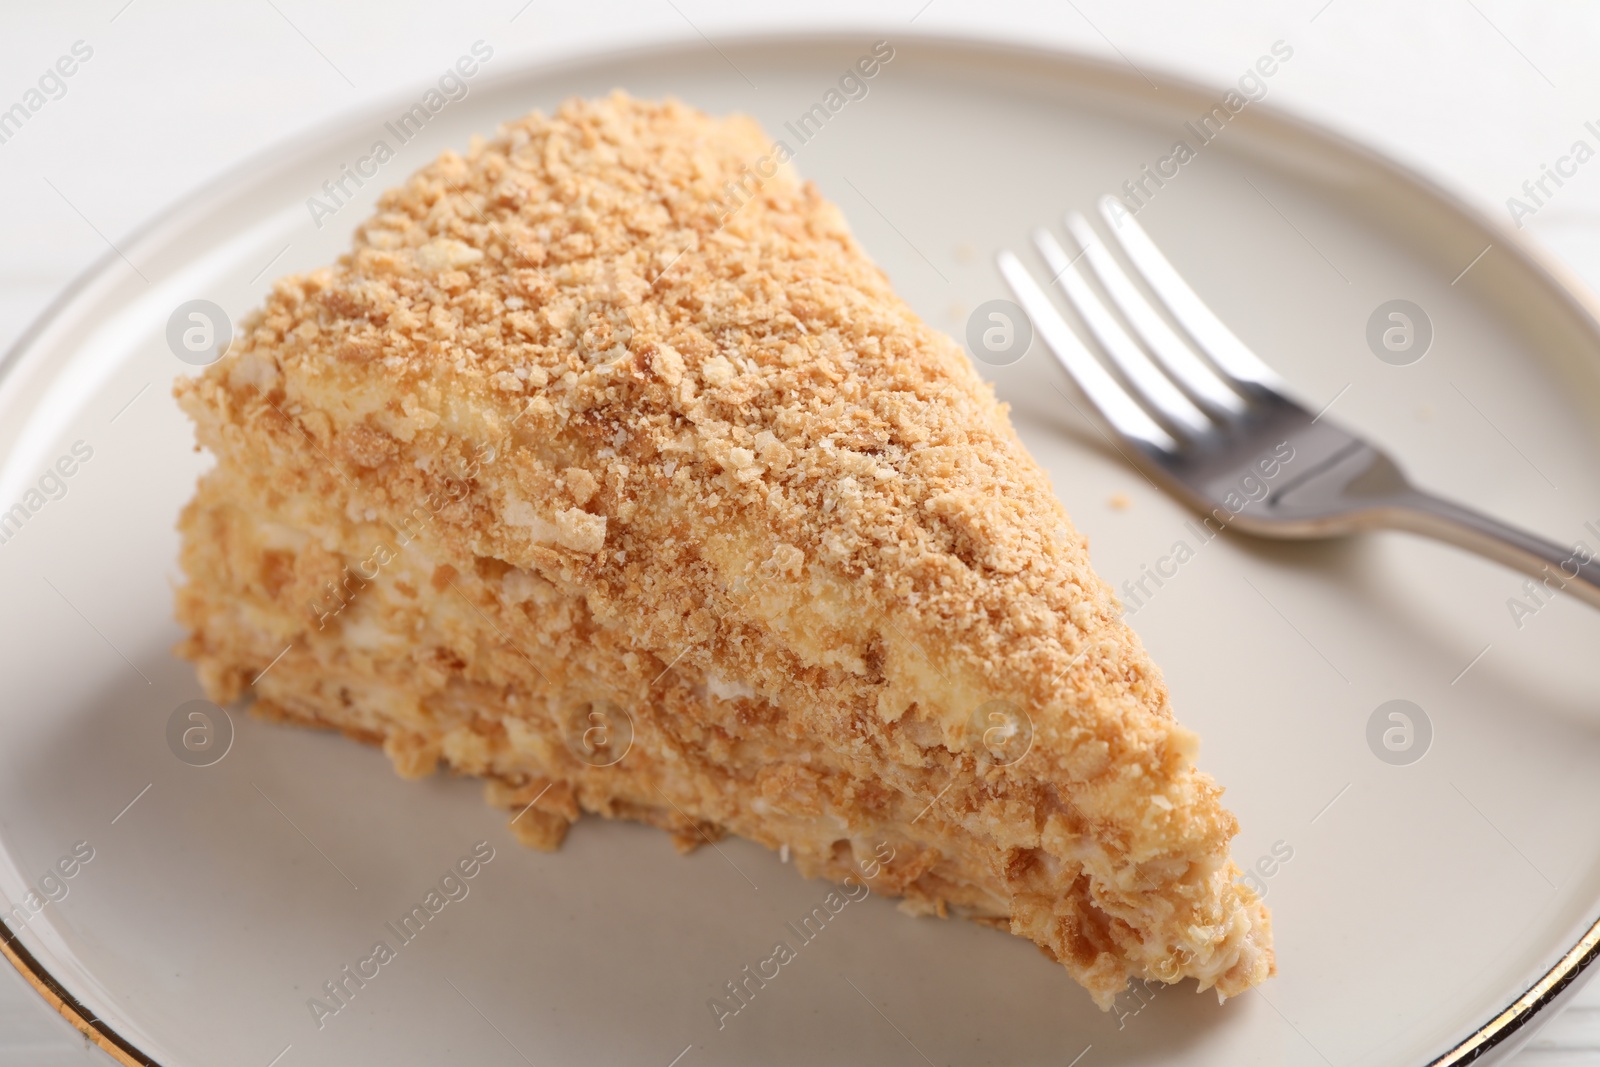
(642,499)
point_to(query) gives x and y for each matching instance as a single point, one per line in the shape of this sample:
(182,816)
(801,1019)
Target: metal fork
(1207,419)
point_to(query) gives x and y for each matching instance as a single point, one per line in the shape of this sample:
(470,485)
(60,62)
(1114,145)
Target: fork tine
(1174,353)
(1146,378)
(1113,402)
(1232,356)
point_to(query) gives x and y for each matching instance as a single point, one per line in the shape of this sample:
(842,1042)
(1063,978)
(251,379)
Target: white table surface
(1477,93)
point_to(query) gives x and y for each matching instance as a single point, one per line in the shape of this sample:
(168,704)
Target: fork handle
(1575,570)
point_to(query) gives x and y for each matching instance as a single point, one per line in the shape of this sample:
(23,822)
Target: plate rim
(1512,1023)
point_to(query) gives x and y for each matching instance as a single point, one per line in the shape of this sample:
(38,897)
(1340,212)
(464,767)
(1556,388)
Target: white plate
(1419,901)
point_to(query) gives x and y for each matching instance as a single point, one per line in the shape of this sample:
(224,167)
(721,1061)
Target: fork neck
(1574,569)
